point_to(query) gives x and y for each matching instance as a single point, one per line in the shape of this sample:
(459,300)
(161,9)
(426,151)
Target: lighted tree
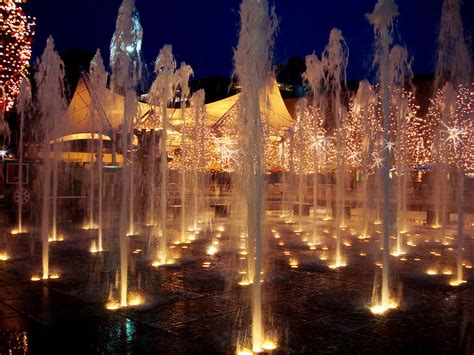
(16,34)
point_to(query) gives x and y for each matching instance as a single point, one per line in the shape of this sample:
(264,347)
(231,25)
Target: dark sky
(204,32)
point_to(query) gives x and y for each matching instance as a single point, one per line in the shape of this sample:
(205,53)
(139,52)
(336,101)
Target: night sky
(204,32)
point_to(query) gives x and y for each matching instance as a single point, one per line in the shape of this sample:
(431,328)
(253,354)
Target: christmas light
(17,31)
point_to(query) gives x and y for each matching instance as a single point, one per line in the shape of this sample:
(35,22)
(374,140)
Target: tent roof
(79,110)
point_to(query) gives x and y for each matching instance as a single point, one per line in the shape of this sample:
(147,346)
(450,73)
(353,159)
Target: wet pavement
(198,307)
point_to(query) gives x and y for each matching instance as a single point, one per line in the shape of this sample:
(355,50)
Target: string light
(17,31)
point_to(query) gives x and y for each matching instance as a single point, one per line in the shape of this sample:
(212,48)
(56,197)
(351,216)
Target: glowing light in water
(91,226)
(58,238)
(93,248)
(456,283)
(293,263)
(135,300)
(19,231)
(269,345)
(112,305)
(4,256)
(212,250)
(379,309)
(338,264)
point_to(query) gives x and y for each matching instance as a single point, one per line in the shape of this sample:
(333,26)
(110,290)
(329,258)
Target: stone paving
(191,309)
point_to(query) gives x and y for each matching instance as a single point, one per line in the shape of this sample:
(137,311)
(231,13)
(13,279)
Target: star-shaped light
(454,135)
(378,161)
(389,145)
(226,148)
(319,143)
(354,156)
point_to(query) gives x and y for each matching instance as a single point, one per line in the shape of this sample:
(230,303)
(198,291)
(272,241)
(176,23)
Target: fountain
(363,112)
(382,19)
(453,69)
(126,68)
(300,129)
(313,76)
(161,93)
(400,78)
(253,68)
(98,83)
(364,150)
(51,105)
(182,81)
(335,59)
(198,156)
(23,106)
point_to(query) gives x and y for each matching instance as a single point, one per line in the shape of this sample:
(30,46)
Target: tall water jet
(253,68)
(98,84)
(23,106)
(335,58)
(400,79)
(126,69)
(454,141)
(51,106)
(300,129)
(363,107)
(313,76)
(198,154)
(454,66)
(382,20)
(182,81)
(151,173)
(289,187)
(161,93)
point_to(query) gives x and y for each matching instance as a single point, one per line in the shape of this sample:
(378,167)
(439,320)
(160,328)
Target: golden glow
(269,345)
(112,305)
(379,309)
(59,238)
(4,256)
(293,263)
(35,278)
(212,250)
(456,283)
(93,247)
(337,265)
(244,282)
(88,227)
(18,231)
(135,299)
(158,263)
(397,254)
(81,136)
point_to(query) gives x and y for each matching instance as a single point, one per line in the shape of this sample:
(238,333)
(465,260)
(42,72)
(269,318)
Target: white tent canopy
(81,120)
